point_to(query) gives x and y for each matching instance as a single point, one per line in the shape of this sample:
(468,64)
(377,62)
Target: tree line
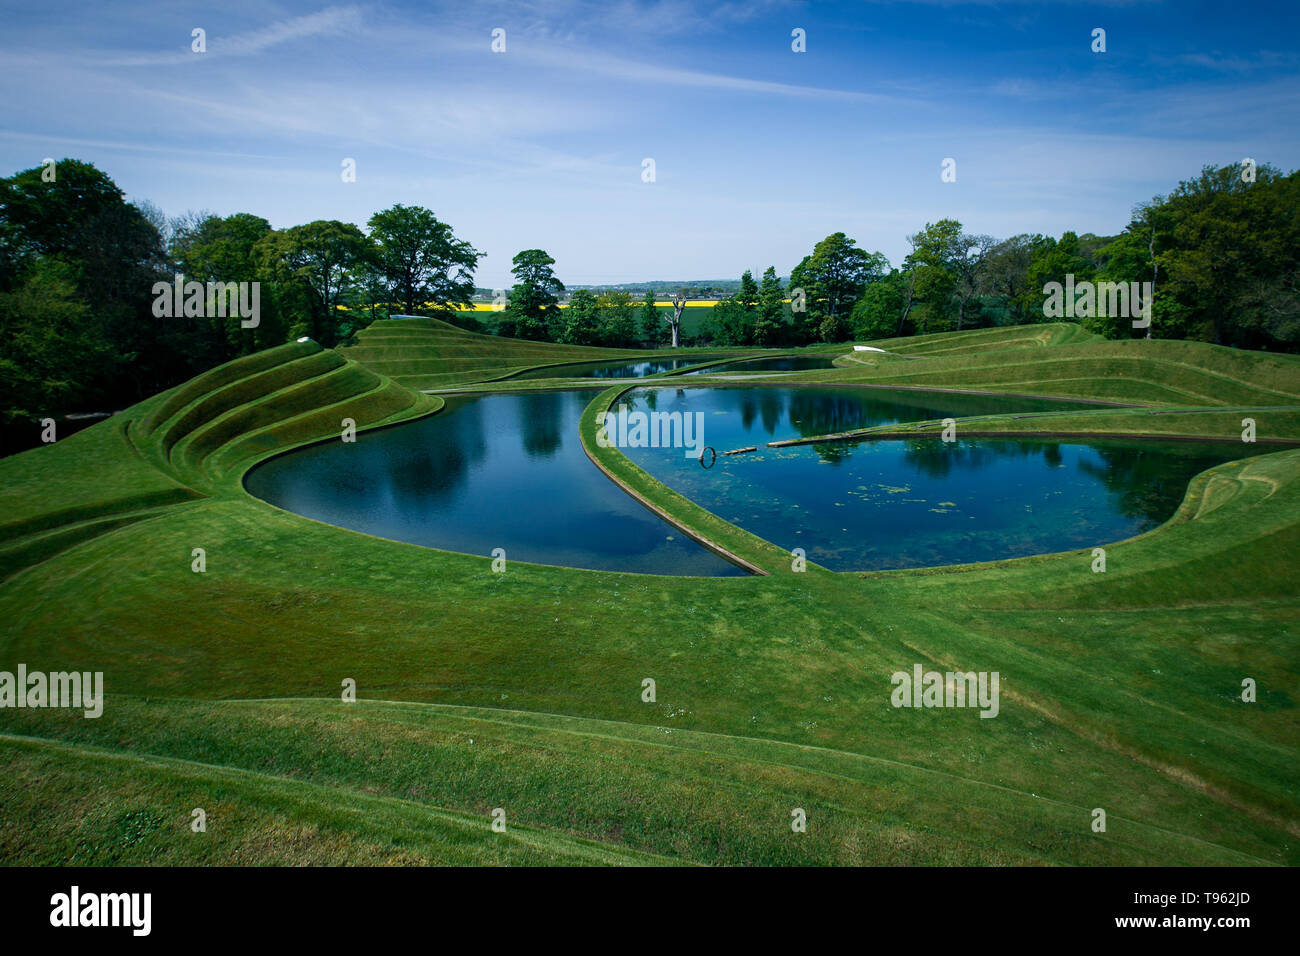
(1219,257)
(78,266)
(607,318)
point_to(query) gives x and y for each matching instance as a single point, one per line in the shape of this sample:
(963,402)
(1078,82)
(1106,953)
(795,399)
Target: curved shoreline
(697,536)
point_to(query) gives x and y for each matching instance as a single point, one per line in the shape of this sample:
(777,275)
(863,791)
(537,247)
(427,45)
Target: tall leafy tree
(422,260)
(216,249)
(80,216)
(876,314)
(731,322)
(1053,261)
(735,318)
(652,323)
(933,276)
(747,297)
(219,248)
(114,254)
(581,325)
(770,327)
(1131,257)
(320,259)
(1006,271)
(50,350)
(968,266)
(534,300)
(833,278)
(803,309)
(1230,259)
(617,321)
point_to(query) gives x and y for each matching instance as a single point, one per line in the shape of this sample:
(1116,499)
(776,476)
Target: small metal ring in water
(712,461)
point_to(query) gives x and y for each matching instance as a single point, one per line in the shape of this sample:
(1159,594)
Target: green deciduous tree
(51,351)
(833,278)
(876,314)
(652,323)
(216,249)
(617,319)
(747,297)
(319,258)
(968,266)
(1053,261)
(114,254)
(1006,277)
(770,327)
(428,270)
(581,320)
(534,299)
(932,274)
(731,323)
(1230,258)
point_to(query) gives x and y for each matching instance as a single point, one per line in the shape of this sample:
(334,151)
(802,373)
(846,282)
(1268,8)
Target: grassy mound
(1138,371)
(1276,424)
(184,444)
(428,353)
(202,430)
(974,341)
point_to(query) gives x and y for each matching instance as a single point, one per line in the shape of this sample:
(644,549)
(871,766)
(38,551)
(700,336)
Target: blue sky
(759,151)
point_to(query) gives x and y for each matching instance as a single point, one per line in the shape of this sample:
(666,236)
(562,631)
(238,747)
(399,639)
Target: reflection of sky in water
(918,502)
(495,471)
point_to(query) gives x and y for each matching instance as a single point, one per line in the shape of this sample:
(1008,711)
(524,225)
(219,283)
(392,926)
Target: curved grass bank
(1273,425)
(721,537)
(425,353)
(1135,371)
(191,442)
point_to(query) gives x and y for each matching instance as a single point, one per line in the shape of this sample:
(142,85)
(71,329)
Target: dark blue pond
(790,363)
(613,369)
(493,471)
(918,502)
(508,471)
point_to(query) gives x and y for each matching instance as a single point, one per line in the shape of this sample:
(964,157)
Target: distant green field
(521,691)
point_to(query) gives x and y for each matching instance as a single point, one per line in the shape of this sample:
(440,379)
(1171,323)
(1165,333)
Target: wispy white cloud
(1235,63)
(641,72)
(331,21)
(565,56)
(1016,87)
(137,146)
(760,152)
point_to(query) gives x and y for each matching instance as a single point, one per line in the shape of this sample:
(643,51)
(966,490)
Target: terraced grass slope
(203,430)
(187,443)
(972,341)
(1276,424)
(1060,360)
(428,353)
(523,690)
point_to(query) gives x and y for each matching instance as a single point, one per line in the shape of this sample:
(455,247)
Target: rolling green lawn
(522,690)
